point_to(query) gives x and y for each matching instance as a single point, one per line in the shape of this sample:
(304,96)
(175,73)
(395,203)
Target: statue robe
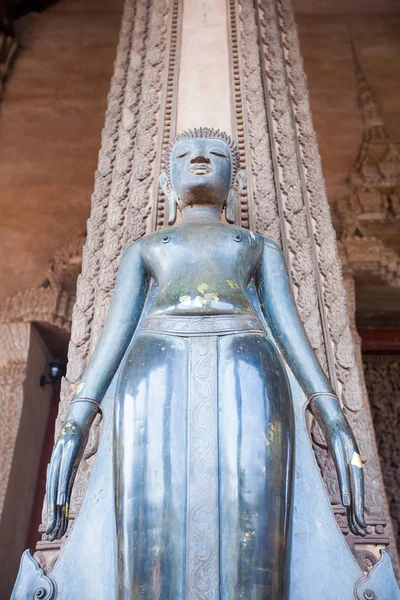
(321,564)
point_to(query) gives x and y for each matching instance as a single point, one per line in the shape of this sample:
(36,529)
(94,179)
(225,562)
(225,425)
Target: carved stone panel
(383,384)
(290,205)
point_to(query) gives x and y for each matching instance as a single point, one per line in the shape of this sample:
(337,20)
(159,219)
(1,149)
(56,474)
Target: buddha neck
(202,212)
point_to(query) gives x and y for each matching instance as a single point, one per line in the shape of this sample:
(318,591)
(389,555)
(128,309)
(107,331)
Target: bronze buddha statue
(202,336)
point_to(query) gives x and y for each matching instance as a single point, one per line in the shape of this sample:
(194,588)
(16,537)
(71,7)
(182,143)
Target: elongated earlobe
(170,196)
(234,195)
(171,209)
(230,207)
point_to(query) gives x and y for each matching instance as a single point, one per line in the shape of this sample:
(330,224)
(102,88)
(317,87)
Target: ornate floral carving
(331,285)
(383,385)
(167,117)
(124,162)
(266,216)
(245,212)
(125,188)
(291,197)
(295,212)
(203,521)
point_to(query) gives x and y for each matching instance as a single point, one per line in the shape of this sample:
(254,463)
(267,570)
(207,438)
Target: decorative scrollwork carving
(293,209)
(124,186)
(382,380)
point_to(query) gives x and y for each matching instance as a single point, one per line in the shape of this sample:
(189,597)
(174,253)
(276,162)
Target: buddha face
(200,171)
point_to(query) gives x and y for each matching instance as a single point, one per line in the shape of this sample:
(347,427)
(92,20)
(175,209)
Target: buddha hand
(346,456)
(64,464)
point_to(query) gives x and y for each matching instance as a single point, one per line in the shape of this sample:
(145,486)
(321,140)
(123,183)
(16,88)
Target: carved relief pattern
(329,271)
(121,198)
(143,175)
(130,147)
(302,211)
(370,256)
(382,380)
(294,214)
(128,206)
(202,325)
(367,218)
(87,281)
(52,298)
(202,571)
(167,117)
(245,212)
(266,216)
(100,253)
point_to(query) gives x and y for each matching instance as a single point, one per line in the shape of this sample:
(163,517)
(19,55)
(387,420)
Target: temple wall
(325,42)
(204,49)
(52,110)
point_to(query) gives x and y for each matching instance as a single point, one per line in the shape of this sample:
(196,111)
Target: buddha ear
(234,194)
(170,196)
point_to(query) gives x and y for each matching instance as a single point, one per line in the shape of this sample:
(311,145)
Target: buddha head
(202,168)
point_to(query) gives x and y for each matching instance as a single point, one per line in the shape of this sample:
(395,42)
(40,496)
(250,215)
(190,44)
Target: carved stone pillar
(382,528)
(382,381)
(24,407)
(285,197)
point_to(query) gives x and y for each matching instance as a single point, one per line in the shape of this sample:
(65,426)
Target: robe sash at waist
(208,325)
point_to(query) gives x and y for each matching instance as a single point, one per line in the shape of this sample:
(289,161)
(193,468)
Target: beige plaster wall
(51,116)
(328,61)
(204,85)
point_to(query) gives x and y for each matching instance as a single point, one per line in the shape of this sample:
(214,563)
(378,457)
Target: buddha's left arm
(279,308)
(280,311)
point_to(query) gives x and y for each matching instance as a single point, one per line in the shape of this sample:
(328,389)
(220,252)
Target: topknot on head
(204,132)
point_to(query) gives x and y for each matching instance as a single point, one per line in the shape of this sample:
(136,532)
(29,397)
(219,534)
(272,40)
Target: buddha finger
(67,463)
(357,530)
(51,493)
(339,458)
(357,479)
(63,523)
(69,491)
(354,527)
(64,526)
(54,533)
(350,521)
(60,521)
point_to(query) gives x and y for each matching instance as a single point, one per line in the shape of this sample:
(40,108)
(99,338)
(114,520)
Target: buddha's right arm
(126,308)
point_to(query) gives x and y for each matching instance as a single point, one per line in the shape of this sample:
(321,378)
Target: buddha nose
(200,159)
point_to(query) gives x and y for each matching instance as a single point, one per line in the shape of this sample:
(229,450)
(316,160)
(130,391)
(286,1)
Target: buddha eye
(218,154)
(182,155)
